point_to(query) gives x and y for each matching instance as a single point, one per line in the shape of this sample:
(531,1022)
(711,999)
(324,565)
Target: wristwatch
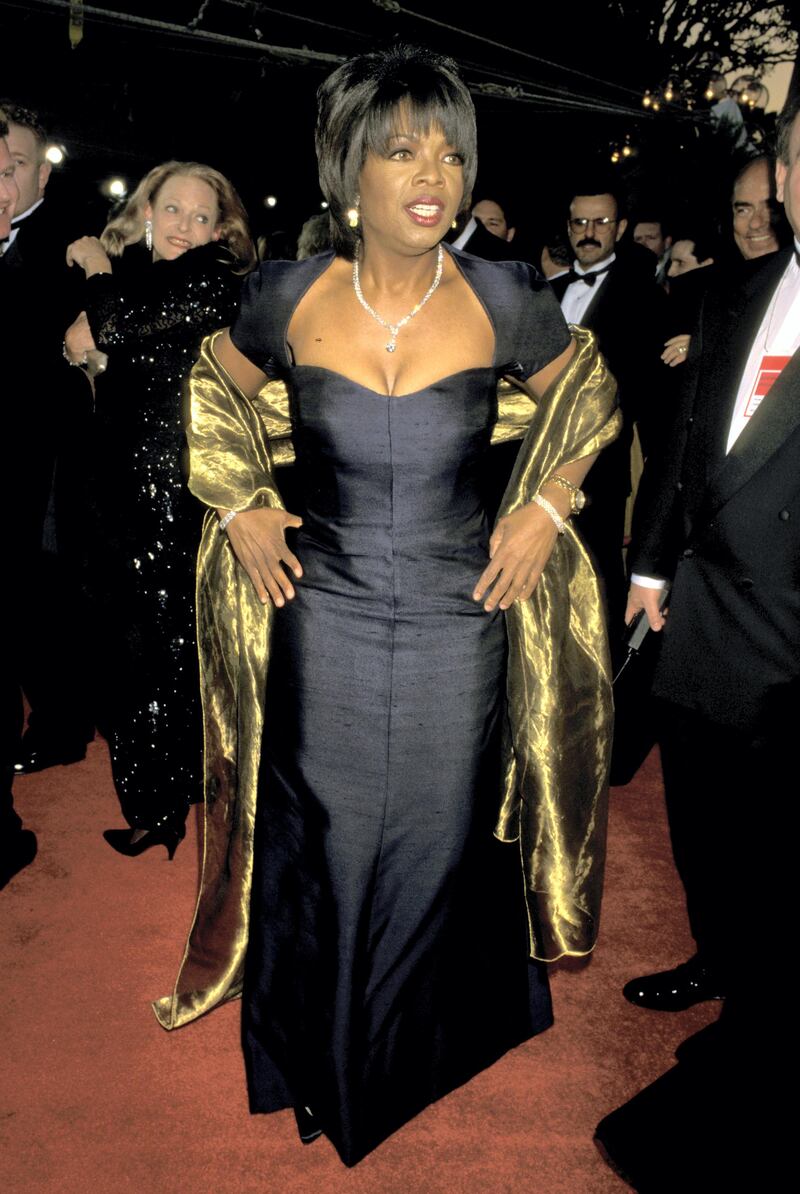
(577,498)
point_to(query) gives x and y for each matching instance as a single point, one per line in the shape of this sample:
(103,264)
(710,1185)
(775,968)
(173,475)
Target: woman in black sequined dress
(148,315)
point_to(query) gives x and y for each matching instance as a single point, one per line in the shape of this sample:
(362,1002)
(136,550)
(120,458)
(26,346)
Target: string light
(55,154)
(270,201)
(115,188)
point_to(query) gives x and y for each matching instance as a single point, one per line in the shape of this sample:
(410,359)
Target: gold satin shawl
(559,694)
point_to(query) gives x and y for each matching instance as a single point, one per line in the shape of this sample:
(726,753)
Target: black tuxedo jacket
(726,528)
(45,405)
(485,244)
(628,317)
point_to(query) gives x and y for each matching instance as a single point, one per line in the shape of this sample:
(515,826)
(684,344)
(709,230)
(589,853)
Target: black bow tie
(590,278)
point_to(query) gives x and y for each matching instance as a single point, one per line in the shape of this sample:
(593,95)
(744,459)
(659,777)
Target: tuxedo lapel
(560,285)
(590,314)
(11,259)
(728,335)
(775,419)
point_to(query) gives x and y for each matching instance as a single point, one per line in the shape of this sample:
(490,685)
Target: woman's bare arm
(258,536)
(522,541)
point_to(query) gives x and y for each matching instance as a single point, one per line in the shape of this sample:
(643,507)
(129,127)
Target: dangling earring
(353,213)
(148,233)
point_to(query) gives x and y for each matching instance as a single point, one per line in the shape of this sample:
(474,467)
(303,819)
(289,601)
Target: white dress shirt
(469,228)
(578,295)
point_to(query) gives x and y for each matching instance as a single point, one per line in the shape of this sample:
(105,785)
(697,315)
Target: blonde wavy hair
(127,228)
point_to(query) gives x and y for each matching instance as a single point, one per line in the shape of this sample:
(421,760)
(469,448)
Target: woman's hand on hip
(258,539)
(519,548)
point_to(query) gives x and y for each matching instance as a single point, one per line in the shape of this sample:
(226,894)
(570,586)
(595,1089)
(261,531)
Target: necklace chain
(394,328)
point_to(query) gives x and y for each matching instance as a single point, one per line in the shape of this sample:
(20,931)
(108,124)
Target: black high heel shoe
(167,835)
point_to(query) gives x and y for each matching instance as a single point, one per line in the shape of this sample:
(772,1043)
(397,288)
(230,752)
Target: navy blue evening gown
(388,957)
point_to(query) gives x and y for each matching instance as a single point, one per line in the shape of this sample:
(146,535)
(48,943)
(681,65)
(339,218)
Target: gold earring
(353,214)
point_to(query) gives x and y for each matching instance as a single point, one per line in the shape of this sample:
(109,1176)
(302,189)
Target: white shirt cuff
(647,582)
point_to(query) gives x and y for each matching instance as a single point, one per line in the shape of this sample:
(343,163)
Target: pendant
(391,346)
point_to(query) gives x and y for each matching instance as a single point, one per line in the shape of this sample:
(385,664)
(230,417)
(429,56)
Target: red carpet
(95,1096)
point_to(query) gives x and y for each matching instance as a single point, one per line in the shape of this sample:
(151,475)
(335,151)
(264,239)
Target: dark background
(129,97)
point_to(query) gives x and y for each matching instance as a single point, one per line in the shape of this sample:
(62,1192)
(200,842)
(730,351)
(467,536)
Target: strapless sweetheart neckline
(440,381)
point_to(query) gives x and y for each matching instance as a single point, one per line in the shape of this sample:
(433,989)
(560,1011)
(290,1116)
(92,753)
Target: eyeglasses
(578,223)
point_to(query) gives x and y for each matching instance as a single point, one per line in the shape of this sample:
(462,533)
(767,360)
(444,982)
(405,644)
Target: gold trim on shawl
(559,695)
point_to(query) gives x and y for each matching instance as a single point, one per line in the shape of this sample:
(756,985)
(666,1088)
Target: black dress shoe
(36,755)
(18,852)
(307,1125)
(674,990)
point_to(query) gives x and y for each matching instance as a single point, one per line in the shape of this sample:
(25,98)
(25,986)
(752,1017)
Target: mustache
(589,240)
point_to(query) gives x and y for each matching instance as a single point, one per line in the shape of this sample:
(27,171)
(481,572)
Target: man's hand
(675,350)
(642,597)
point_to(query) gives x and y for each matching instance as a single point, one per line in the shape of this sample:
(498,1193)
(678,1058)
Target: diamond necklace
(394,328)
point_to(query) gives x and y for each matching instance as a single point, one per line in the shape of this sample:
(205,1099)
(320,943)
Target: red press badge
(769,371)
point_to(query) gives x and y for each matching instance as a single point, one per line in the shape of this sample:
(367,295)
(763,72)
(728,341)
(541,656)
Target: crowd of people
(434,685)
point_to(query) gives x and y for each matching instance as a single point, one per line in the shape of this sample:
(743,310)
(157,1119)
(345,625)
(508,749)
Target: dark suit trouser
(602,528)
(731,824)
(52,668)
(11,718)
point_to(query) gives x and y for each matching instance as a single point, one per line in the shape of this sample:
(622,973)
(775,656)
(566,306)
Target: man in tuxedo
(488,233)
(754,210)
(17,845)
(46,410)
(718,516)
(613,293)
(648,231)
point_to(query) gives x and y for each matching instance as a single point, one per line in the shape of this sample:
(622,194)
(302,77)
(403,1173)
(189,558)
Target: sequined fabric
(558,675)
(150,321)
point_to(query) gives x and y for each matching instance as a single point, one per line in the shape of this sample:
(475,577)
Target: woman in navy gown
(388,948)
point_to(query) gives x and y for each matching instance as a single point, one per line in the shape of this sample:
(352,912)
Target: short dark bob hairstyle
(357,115)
